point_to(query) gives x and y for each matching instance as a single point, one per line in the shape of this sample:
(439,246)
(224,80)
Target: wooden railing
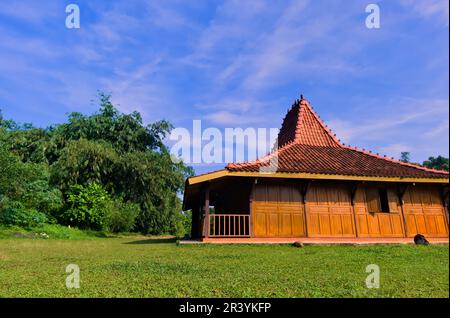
(229,225)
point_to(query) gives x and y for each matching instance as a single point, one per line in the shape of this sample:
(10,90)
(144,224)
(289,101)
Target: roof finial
(301,97)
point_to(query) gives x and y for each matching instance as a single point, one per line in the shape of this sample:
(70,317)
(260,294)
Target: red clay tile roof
(307,145)
(302,126)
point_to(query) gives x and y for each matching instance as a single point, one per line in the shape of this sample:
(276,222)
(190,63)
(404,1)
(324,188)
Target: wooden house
(319,188)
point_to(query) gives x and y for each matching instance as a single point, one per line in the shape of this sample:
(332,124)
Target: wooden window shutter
(372,197)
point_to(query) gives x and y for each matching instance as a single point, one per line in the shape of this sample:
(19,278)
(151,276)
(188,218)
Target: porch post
(206,227)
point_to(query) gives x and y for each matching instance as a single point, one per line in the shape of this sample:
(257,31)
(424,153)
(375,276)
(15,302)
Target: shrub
(14,213)
(41,196)
(121,216)
(87,206)
(182,225)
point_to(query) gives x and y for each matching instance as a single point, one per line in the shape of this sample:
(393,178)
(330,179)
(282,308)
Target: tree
(125,132)
(153,181)
(116,151)
(439,163)
(405,156)
(82,162)
(26,198)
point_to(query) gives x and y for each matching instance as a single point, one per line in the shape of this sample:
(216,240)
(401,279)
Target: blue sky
(237,64)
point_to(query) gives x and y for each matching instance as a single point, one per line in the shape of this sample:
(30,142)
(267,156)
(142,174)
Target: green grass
(53,231)
(148,267)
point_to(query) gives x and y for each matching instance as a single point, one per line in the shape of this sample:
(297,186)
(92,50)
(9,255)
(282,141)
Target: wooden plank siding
(329,211)
(424,212)
(371,221)
(278,210)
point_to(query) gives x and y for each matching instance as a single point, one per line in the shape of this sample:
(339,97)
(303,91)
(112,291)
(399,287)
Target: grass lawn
(146,267)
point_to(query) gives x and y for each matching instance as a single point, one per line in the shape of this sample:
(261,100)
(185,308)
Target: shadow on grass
(154,241)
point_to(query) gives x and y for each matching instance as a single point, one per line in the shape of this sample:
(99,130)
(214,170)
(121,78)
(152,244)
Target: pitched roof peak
(306,144)
(303,126)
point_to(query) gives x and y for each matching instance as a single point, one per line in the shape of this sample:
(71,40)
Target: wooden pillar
(401,194)
(206,227)
(304,191)
(353,189)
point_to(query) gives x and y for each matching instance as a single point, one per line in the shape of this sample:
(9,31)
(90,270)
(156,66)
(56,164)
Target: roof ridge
(305,102)
(407,164)
(303,127)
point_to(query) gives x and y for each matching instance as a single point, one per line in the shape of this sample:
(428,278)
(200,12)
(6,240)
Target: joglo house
(314,186)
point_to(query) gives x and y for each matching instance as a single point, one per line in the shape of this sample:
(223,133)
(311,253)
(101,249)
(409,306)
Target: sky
(236,64)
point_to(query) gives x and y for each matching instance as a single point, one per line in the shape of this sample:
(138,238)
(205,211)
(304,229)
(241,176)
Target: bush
(121,216)
(182,225)
(14,213)
(41,196)
(87,206)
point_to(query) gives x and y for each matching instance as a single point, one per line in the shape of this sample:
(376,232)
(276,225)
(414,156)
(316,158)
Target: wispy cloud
(401,124)
(236,63)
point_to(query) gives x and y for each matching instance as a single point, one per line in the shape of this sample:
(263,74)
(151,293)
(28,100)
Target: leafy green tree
(125,132)
(26,199)
(16,176)
(153,181)
(405,156)
(82,162)
(41,196)
(116,151)
(439,162)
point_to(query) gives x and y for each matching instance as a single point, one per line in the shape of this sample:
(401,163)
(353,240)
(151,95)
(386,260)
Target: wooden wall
(424,211)
(279,211)
(371,221)
(329,210)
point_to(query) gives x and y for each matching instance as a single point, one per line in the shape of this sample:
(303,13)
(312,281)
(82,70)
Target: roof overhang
(301,175)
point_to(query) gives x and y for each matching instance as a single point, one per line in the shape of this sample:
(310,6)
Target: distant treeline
(439,162)
(107,171)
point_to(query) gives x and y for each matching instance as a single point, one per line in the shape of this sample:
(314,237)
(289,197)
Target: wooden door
(277,211)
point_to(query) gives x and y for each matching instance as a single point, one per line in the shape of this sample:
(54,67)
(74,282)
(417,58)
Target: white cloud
(417,125)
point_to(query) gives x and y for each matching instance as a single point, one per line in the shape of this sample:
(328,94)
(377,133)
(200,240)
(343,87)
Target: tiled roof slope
(306,145)
(302,126)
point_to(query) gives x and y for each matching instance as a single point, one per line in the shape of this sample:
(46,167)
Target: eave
(318,176)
